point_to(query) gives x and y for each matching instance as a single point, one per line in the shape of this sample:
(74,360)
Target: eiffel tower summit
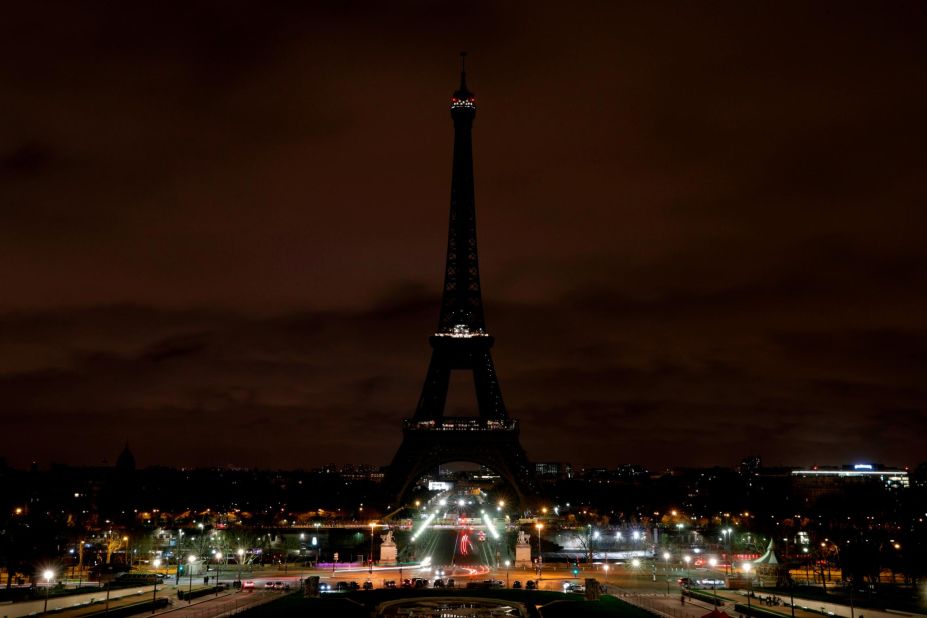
(461,343)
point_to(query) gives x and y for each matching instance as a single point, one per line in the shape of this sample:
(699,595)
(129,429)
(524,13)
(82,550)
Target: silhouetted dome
(126,460)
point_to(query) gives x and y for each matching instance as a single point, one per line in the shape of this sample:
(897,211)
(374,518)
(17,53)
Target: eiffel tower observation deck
(461,343)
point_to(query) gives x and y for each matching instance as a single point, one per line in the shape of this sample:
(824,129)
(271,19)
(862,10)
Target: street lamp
(190,560)
(373,527)
(666,557)
(605,567)
(507,563)
(714,589)
(727,532)
(539,527)
(318,552)
(747,567)
(241,556)
(154,588)
(125,540)
(687,560)
(218,570)
(48,574)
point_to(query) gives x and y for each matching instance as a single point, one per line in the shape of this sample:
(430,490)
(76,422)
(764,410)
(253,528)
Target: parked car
(438,583)
(248,584)
(323,587)
(353,585)
(368,585)
(531,585)
(342,586)
(576,588)
(516,584)
(268,585)
(406,583)
(389,583)
(450,582)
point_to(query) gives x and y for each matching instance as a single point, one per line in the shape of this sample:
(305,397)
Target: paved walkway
(27,608)
(226,603)
(672,607)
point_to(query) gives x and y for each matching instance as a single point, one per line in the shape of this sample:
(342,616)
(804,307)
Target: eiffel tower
(461,343)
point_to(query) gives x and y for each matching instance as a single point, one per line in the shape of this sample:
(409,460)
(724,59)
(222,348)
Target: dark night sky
(702,227)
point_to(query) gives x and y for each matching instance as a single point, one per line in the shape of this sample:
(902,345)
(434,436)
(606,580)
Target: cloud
(700,227)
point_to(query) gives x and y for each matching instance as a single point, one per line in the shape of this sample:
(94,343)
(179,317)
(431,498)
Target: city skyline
(701,239)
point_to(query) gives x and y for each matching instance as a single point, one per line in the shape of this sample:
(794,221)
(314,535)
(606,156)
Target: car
(576,588)
(323,587)
(248,584)
(281,585)
(342,586)
(531,585)
(268,585)
(368,585)
(438,583)
(353,585)
(516,584)
(418,582)
(406,583)
(450,582)
(684,581)
(389,583)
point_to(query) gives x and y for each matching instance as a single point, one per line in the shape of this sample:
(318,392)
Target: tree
(113,543)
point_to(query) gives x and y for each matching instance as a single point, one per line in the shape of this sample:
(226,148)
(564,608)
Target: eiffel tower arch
(461,343)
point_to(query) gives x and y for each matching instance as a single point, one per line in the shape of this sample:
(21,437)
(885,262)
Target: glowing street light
(747,568)
(687,560)
(507,564)
(727,534)
(666,557)
(47,574)
(190,559)
(154,587)
(373,527)
(218,570)
(539,527)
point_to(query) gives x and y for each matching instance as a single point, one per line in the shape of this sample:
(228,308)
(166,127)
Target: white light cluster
(489,524)
(425,524)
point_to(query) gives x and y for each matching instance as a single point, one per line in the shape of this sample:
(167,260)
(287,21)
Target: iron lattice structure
(461,343)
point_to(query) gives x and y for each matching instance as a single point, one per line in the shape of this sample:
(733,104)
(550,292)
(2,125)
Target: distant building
(125,463)
(821,480)
(750,465)
(349,472)
(553,470)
